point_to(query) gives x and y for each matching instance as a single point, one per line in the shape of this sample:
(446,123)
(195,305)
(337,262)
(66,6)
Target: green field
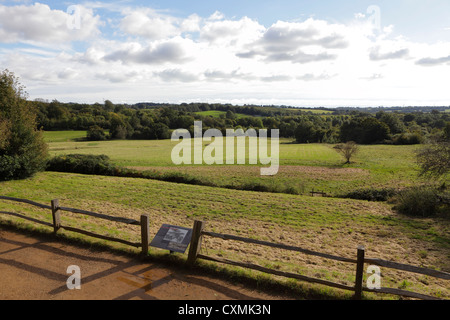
(329,225)
(218,114)
(304,167)
(64,136)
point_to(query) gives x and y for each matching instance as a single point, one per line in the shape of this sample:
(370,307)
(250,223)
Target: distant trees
(23,151)
(158,120)
(305,132)
(365,130)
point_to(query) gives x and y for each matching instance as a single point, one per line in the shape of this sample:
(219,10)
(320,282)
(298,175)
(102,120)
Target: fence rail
(358,288)
(198,233)
(56,212)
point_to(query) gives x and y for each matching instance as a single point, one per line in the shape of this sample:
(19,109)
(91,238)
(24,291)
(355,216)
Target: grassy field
(329,225)
(218,114)
(303,167)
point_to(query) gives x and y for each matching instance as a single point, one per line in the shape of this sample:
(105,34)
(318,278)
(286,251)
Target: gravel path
(34,268)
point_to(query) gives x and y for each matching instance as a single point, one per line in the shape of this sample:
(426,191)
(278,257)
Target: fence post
(145,233)
(359,272)
(56,215)
(195,245)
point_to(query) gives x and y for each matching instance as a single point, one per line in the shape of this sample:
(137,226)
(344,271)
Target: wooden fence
(56,211)
(359,260)
(318,193)
(195,245)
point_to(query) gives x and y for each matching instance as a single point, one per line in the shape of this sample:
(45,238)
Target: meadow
(325,224)
(303,167)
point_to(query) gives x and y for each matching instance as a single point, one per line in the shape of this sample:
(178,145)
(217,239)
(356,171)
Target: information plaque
(172,238)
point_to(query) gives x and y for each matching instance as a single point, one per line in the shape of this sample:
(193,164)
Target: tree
(348,150)
(434,159)
(305,132)
(365,130)
(95,133)
(230,115)
(23,151)
(118,127)
(109,106)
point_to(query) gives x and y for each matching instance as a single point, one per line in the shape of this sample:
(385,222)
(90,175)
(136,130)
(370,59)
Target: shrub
(418,201)
(371,194)
(23,151)
(407,139)
(81,163)
(95,133)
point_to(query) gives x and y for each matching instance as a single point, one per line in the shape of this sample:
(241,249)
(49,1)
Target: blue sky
(301,53)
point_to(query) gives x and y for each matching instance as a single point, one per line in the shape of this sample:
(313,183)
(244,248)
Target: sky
(298,53)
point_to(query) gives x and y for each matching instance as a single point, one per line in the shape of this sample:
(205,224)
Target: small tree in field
(348,150)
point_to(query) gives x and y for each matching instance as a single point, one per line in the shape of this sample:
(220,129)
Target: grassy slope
(328,225)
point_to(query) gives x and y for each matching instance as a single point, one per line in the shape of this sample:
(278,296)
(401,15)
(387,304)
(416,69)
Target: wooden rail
(196,241)
(360,260)
(56,211)
(319,193)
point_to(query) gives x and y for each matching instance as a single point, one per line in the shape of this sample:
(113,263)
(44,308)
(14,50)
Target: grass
(335,226)
(302,167)
(63,136)
(218,114)
(330,225)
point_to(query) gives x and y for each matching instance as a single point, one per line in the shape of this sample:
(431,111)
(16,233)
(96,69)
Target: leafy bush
(96,133)
(407,139)
(371,194)
(23,151)
(418,201)
(81,163)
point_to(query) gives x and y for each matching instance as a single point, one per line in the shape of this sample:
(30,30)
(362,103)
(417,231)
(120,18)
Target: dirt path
(36,268)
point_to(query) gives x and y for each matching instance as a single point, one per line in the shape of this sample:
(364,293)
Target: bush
(407,139)
(81,163)
(23,151)
(96,133)
(371,194)
(418,201)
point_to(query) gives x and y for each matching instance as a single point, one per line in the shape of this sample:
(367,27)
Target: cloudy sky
(298,53)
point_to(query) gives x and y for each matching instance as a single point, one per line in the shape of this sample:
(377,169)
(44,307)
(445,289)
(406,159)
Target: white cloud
(434,61)
(216,58)
(231,33)
(40,24)
(171,51)
(217,15)
(376,55)
(191,23)
(149,24)
(177,75)
(305,42)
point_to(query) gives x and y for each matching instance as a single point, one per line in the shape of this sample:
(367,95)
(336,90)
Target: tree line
(157,121)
